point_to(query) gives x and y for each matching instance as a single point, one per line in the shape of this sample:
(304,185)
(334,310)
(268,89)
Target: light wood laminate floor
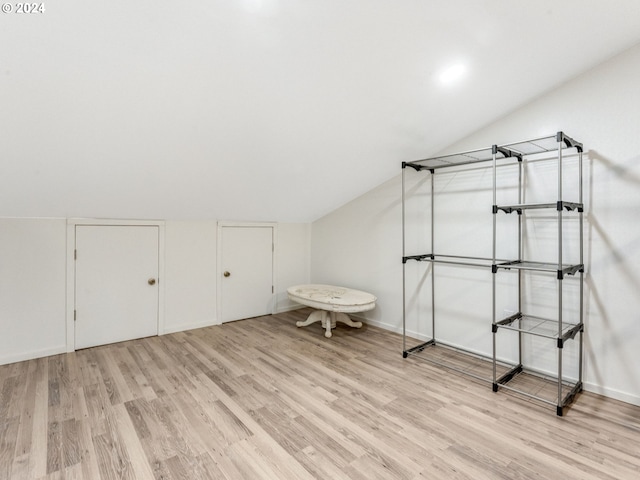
(262,399)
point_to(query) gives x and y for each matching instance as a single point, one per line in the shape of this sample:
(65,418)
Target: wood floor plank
(54,447)
(112,463)
(8,437)
(173,431)
(261,399)
(320,465)
(150,430)
(246,462)
(132,375)
(71,450)
(19,392)
(211,469)
(89,458)
(40,422)
(27,406)
(204,433)
(119,391)
(132,443)
(152,374)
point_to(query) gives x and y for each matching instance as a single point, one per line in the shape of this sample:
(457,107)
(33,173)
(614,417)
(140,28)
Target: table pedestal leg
(328,320)
(315,316)
(344,318)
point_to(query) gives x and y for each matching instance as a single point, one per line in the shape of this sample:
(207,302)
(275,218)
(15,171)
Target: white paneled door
(246,273)
(116,290)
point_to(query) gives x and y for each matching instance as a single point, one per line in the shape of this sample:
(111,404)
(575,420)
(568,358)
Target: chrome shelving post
(581,226)
(494,151)
(520,252)
(404,294)
(433,265)
(560,275)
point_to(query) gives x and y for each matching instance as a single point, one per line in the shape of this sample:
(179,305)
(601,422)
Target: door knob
(226,274)
(151,281)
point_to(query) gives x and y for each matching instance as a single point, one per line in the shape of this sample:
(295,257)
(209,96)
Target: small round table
(332,304)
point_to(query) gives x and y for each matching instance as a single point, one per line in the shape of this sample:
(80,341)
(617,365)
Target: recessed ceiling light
(452,73)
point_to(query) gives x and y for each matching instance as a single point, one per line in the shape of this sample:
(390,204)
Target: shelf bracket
(570,206)
(577,388)
(508,320)
(571,334)
(568,141)
(416,167)
(419,258)
(507,376)
(418,348)
(495,149)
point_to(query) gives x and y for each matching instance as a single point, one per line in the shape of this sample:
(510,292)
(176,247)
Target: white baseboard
(189,326)
(589,387)
(288,308)
(208,323)
(22,356)
(611,393)
(392,328)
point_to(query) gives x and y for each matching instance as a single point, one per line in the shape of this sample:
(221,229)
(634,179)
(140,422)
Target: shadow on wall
(418,312)
(611,256)
(622,172)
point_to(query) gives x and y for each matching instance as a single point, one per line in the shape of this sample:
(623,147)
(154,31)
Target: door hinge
(75,314)
(75,254)
(273,290)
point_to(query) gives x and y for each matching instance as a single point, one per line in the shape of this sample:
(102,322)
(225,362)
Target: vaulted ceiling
(275,110)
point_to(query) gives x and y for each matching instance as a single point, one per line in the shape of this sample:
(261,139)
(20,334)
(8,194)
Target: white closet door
(116,296)
(246,272)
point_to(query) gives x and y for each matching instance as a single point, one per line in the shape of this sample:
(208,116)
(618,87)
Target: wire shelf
(539,326)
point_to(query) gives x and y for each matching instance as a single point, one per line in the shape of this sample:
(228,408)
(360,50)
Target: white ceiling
(265,110)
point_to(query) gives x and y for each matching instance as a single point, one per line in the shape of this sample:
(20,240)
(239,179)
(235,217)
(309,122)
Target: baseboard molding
(22,356)
(589,387)
(208,323)
(611,393)
(189,326)
(391,328)
(288,308)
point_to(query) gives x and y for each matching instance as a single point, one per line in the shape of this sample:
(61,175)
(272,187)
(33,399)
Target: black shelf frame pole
(581,226)
(560,277)
(521,199)
(433,265)
(418,348)
(404,274)
(494,150)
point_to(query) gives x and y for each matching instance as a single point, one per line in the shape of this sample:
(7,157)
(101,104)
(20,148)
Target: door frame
(274,276)
(71,270)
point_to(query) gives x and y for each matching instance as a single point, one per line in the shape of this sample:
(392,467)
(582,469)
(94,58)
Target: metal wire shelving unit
(547,387)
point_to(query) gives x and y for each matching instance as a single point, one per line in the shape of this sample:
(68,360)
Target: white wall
(33,266)
(190,271)
(293,261)
(360,245)
(32,288)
